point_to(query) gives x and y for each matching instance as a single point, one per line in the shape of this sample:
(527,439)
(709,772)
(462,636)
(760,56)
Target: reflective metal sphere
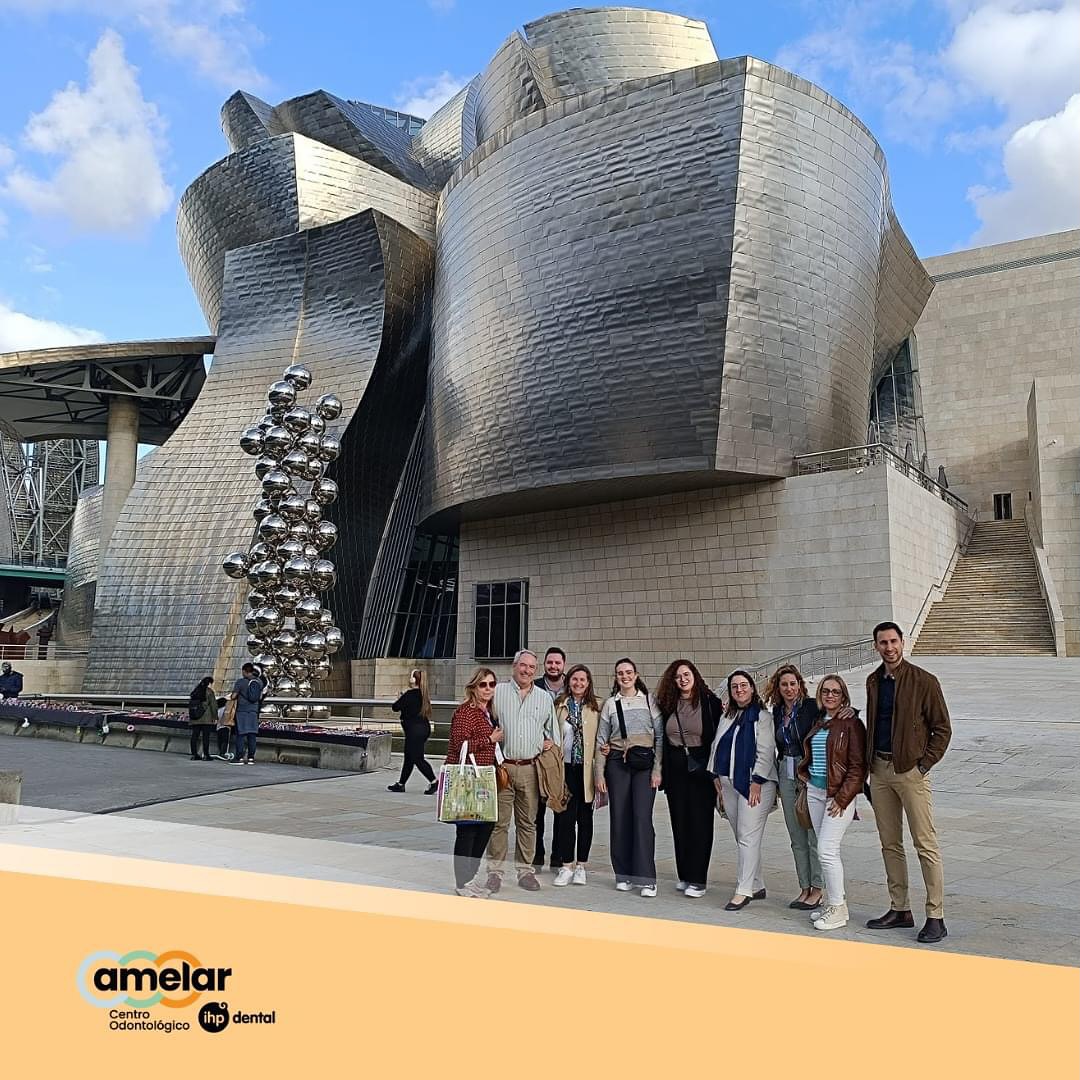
(297,571)
(256,645)
(320,668)
(264,465)
(318,424)
(286,598)
(298,376)
(295,463)
(325,535)
(281,393)
(265,573)
(304,688)
(251,441)
(277,442)
(335,639)
(323,574)
(286,642)
(292,508)
(249,621)
(284,686)
(297,712)
(311,552)
(307,613)
(266,423)
(259,551)
(300,530)
(329,448)
(326,619)
(289,549)
(261,510)
(320,712)
(329,406)
(312,512)
(269,712)
(257,598)
(277,482)
(324,491)
(267,663)
(310,443)
(313,644)
(235,565)
(273,528)
(269,620)
(297,667)
(297,420)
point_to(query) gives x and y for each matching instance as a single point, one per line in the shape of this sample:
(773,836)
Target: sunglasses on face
(488,685)
(831,692)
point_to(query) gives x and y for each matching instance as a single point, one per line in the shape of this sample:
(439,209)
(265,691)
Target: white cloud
(426,95)
(21,331)
(108,139)
(7,156)
(1042,163)
(211,36)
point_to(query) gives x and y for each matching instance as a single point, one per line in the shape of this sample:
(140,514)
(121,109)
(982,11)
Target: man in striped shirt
(526,715)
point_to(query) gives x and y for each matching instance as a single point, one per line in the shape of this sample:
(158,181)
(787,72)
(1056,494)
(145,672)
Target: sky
(110,109)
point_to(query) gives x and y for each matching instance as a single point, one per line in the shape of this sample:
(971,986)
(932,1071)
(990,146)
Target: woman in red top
(472,724)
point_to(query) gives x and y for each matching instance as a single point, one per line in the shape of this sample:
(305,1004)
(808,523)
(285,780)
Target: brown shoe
(932,932)
(893,920)
(493,883)
(528,882)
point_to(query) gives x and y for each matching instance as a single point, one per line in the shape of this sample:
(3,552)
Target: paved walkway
(1007,807)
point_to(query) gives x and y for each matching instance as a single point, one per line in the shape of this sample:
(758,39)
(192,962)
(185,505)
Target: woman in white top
(631,738)
(743,764)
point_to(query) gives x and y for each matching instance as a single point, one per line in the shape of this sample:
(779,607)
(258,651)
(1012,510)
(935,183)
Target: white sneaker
(579,875)
(623,886)
(682,886)
(648,890)
(817,912)
(694,890)
(564,876)
(834,916)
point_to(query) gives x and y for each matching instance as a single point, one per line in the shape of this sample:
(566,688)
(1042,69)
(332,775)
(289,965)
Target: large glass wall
(425,621)
(896,416)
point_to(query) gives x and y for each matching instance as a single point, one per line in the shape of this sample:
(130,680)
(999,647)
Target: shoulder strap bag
(635,758)
(692,763)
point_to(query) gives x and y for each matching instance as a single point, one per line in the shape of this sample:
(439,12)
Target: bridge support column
(121,450)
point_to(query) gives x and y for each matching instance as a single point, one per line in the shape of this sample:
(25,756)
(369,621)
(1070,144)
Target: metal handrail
(817,661)
(33,650)
(855,457)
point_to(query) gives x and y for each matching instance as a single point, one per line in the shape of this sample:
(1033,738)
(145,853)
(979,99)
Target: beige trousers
(520,802)
(895,797)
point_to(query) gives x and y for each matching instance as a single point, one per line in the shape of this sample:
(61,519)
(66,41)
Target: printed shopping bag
(467,792)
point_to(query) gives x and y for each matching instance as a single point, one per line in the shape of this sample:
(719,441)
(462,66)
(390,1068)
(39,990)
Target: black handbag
(635,758)
(692,763)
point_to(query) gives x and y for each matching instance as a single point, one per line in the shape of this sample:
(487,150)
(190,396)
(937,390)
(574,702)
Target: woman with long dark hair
(691,713)
(472,723)
(578,713)
(415,708)
(630,737)
(743,764)
(202,716)
(794,713)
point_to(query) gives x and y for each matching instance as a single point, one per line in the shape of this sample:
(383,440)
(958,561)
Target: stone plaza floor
(1007,804)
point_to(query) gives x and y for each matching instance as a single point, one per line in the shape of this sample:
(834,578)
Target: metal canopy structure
(65,393)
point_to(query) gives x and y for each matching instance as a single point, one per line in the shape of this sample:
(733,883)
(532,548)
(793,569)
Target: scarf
(743,735)
(575,719)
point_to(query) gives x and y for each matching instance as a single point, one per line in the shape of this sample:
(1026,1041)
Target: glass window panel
(513,629)
(498,631)
(498,593)
(513,592)
(481,634)
(483,594)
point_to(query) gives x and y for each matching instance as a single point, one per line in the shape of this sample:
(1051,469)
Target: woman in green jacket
(202,716)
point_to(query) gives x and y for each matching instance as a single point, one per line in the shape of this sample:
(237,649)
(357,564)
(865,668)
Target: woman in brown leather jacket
(833,769)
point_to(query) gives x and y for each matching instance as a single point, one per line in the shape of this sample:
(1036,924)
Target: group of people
(741,756)
(234,718)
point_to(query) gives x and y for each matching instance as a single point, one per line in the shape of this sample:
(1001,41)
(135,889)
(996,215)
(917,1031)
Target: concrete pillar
(121,454)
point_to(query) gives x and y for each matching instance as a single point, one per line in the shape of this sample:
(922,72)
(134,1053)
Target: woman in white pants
(743,764)
(834,769)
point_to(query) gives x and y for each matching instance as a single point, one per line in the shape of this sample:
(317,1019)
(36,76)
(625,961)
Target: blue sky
(110,109)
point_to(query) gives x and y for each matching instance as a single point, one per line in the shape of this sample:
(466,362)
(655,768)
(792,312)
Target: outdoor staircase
(992,605)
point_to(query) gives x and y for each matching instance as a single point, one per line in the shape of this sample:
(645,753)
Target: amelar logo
(141,979)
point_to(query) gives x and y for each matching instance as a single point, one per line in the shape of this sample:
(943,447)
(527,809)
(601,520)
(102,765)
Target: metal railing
(816,661)
(861,457)
(33,651)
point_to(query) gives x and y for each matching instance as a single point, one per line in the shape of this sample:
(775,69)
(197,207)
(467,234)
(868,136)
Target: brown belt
(881,754)
(519,761)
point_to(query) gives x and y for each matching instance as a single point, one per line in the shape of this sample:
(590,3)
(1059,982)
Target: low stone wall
(339,753)
(50,676)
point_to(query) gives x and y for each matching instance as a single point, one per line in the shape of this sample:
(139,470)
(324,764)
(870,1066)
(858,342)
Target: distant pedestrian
(225,722)
(249,691)
(202,716)
(11,682)
(415,708)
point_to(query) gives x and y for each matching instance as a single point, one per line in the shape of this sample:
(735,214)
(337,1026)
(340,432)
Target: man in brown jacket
(907,733)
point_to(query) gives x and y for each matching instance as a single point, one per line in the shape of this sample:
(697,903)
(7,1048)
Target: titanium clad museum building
(628,339)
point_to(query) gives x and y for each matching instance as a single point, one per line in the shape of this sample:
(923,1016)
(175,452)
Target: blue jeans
(245,745)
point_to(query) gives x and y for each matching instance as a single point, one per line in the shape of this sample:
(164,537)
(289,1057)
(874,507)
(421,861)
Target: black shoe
(396,787)
(207,757)
(933,931)
(431,788)
(893,920)
(195,757)
(731,906)
(759,895)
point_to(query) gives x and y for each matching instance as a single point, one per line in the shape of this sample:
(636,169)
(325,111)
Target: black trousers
(574,823)
(245,745)
(223,741)
(415,740)
(470,843)
(630,805)
(538,855)
(691,800)
(200,731)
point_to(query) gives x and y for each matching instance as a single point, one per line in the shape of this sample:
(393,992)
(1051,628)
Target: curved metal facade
(675,281)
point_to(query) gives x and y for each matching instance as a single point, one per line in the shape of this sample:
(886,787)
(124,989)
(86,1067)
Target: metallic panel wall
(679,277)
(165,615)
(449,135)
(77,610)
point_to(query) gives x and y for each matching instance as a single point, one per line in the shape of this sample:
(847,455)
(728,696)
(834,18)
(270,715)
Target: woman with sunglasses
(472,724)
(691,714)
(743,764)
(833,767)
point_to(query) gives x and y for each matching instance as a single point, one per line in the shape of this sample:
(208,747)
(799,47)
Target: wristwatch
(922,769)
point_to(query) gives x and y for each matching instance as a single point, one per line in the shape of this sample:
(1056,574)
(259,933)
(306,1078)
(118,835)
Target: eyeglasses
(488,684)
(830,691)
